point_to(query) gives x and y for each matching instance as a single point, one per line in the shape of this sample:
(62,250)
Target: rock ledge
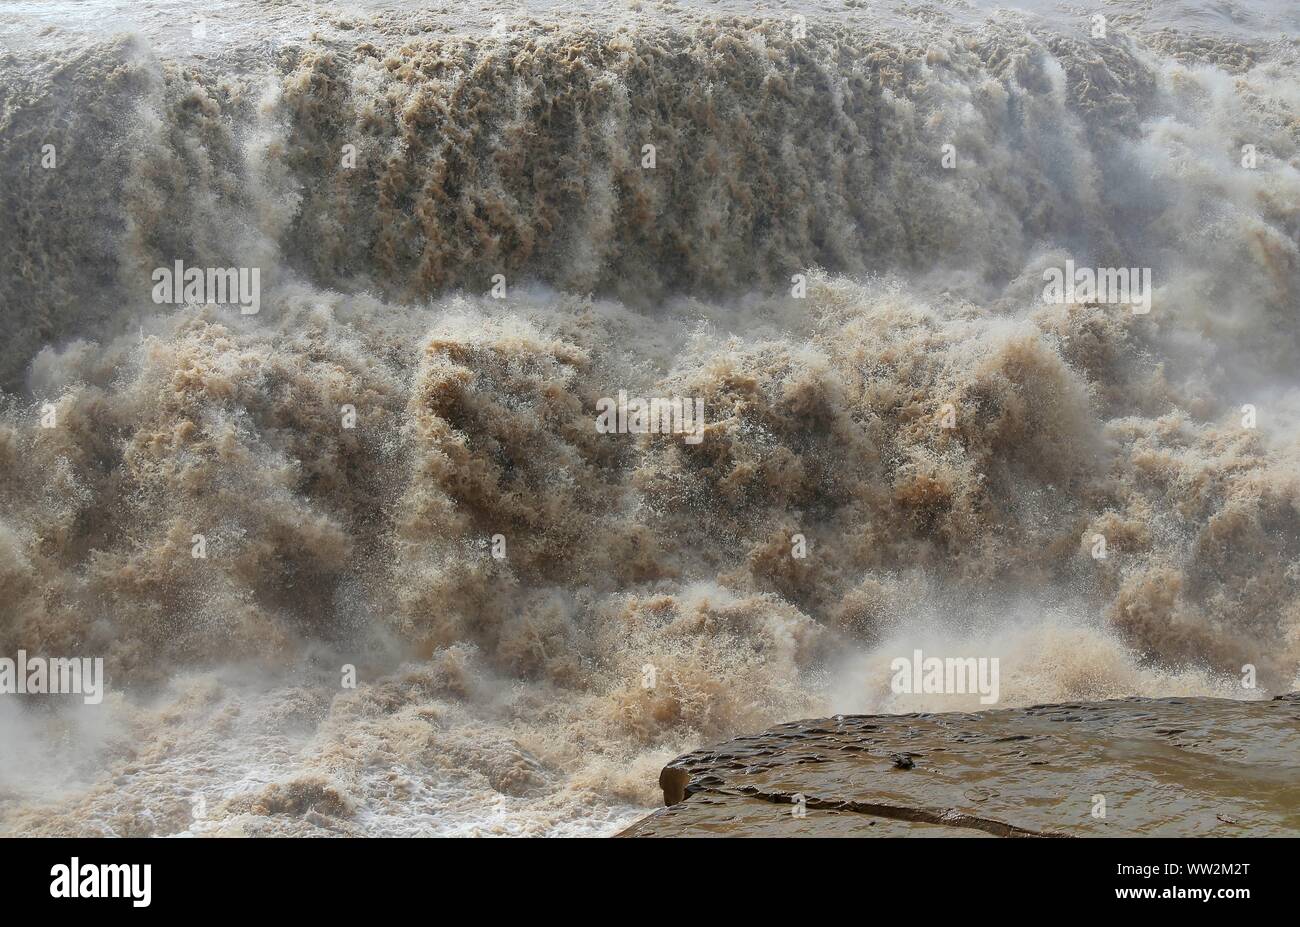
(1153,767)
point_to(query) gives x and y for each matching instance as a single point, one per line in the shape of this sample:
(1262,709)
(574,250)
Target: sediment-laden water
(836,238)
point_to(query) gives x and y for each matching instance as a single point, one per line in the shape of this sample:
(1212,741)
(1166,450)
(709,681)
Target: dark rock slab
(1164,767)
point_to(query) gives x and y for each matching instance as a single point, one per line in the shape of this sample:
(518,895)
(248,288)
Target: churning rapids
(379,163)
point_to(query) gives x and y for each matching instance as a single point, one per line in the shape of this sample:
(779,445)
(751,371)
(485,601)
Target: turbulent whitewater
(838,242)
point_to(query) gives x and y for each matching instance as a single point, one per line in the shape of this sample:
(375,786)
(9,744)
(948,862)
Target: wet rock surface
(1155,767)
